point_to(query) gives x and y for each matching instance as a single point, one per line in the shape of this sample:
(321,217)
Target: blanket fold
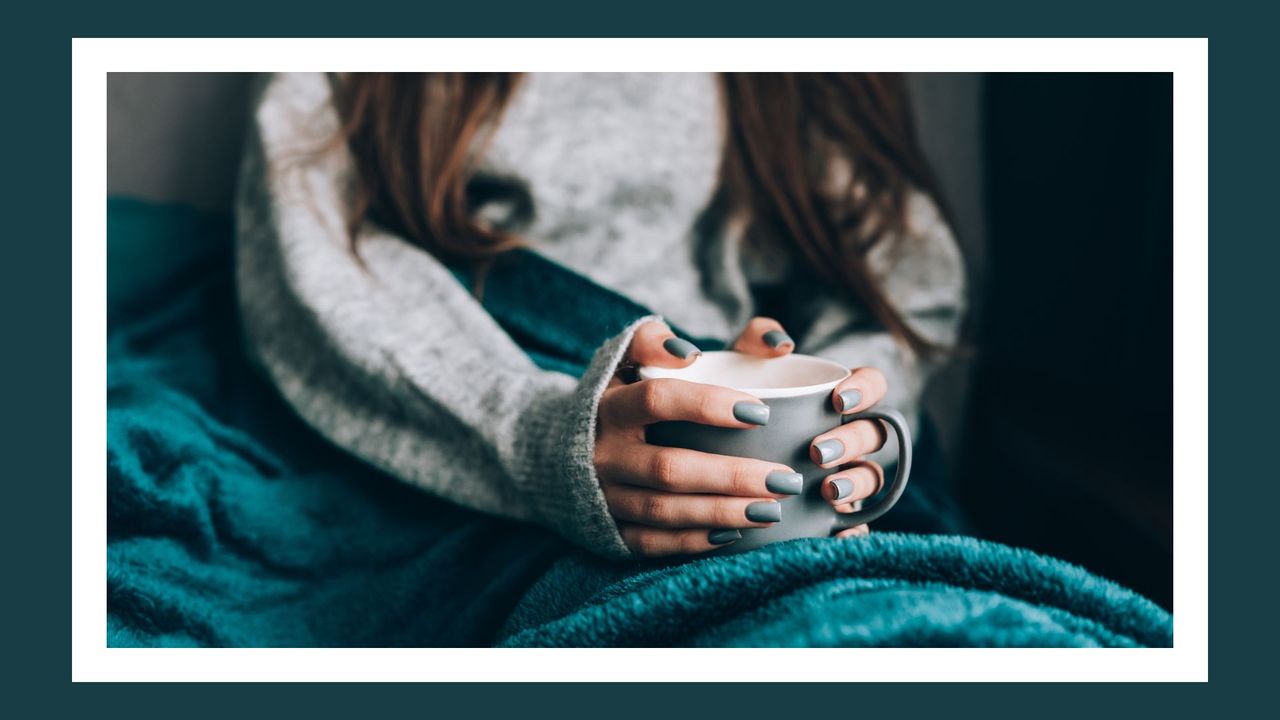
(230,523)
(887,590)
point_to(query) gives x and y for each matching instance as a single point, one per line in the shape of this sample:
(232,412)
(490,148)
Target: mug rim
(649,372)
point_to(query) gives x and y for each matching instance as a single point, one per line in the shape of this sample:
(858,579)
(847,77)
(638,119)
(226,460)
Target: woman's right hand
(672,501)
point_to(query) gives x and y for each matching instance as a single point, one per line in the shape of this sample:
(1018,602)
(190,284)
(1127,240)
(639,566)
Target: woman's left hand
(842,449)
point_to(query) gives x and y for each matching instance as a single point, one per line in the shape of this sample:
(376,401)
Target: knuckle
(663,468)
(861,473)
(653,397)
(641,542)
(744,480)
(726,513)
(647,544)
(868,436)
(655,508)
(707,404)
(864,479)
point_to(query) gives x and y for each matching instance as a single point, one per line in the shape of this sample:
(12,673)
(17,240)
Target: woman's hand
(843,448)
(840,449)
(672,501)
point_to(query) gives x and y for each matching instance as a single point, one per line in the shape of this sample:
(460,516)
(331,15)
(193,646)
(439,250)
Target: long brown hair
(413,137)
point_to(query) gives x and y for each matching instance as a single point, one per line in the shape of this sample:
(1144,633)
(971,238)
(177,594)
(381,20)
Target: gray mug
(797,389)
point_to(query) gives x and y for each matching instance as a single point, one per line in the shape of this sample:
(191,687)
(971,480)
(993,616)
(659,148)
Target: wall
(176,137)
(949,117)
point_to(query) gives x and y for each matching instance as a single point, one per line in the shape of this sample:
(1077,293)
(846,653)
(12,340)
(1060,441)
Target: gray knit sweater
(609,175)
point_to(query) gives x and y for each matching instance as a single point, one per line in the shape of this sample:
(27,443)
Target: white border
(92,59)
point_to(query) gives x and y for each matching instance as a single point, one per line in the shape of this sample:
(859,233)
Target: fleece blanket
(231,524)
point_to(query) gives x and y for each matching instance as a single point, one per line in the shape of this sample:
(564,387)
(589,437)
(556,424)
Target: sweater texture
(388,356)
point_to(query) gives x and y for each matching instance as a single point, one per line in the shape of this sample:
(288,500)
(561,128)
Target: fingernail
(787,483)
(849,398)
(843,488)
(764,511)
(829,450)
(750,412)
(723,537)
(681,348)
(777,338)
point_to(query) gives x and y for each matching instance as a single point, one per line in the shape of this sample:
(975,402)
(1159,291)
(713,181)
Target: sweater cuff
(567,495)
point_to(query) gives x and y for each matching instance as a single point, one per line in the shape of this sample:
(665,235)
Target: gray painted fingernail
(786,483)
(681,348)
(829,450)
(750,412)
(723,537)
(764,511)
(843,487)
(777,338)
(849,399)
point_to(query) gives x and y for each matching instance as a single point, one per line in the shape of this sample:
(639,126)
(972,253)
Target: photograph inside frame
(640,360)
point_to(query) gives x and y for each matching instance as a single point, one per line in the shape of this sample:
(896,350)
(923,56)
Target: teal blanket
(887,590)
(230,523)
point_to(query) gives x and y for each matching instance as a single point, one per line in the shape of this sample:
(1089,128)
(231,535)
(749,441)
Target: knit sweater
(390,357)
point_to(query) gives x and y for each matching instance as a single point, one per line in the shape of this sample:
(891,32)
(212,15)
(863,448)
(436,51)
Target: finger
(655,508)
(655,542)
(847,508)
(689,471)
(650,401)
(764,337)
(655,344)
(863,388)
(848,443)
(860,531)
(859,482)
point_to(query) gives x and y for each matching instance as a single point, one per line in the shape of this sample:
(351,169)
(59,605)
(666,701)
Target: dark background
(1057,419)
(1068,438)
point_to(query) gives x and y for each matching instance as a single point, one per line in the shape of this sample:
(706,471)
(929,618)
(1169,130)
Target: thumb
(654,344)
(764,337)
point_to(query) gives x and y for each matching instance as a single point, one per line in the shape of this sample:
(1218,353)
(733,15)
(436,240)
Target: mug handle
(895,420)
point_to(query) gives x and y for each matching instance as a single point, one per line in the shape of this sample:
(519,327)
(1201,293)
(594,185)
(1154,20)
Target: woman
(720,202)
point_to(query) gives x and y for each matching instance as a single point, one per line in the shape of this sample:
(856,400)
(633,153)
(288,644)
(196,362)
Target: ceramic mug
(797,389)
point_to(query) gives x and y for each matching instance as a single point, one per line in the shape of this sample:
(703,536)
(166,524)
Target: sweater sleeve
(387,355)
(923,277)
